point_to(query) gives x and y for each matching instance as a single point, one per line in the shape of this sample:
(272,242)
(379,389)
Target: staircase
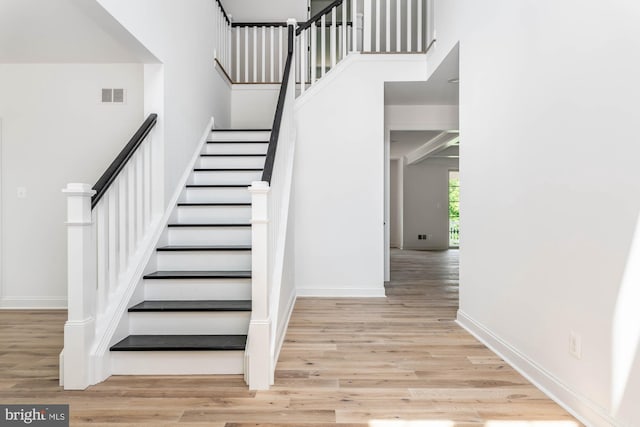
(196,308)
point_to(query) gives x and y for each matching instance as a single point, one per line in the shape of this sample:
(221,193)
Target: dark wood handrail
(277,120)
(318,16)
(224,12)
(114,169)
(259,24)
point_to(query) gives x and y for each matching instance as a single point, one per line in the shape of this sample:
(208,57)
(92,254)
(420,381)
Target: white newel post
(81,292)
(260,326)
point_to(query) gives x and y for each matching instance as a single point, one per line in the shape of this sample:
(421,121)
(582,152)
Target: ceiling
(64,31)
(405,141)
(266,11)
(435,91)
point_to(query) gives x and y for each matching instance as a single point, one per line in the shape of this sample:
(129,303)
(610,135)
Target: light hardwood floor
(399,362)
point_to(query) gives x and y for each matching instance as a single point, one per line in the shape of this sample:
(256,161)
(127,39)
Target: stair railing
(260,52)
(223,52)
(382,26)
(107,226)
(271,253)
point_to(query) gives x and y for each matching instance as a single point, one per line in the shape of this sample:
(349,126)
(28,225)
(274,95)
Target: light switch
(22,193)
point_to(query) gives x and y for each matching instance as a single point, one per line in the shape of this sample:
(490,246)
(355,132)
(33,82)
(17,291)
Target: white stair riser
(189,323)
(197,289)
(240,136)
(222,148)
(217,195)
(203,261)
(209,235)
(206,214)
(225,177)
(177,362)
(231,162)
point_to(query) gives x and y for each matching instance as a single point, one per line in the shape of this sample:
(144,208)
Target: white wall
(253,106)
(548,108)
(426,203)
(339,176)
(182,36)
(55,131)
(266,11)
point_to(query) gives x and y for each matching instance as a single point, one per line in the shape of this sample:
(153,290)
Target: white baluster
(333,37)
(237,32)
(378,29)
(419,23)
(354,18)
(388,27)
(264,55)
(123,199)
(366,44)
(398,26)
(255,55)
(314,51)
(146,156)
(113,236)
(280,49)
(131,205)
(272,55)
(345,28)
(139,171)
(102,260)
(323,45)
(303,60)
(409,22)
(246,54)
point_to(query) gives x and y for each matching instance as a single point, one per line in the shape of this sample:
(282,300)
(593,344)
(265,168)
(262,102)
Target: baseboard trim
(586,411)
(33,303)
(341,292)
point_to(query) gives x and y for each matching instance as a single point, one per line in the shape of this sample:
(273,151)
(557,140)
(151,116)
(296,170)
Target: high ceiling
(406,141)
(436,91)
(64,31)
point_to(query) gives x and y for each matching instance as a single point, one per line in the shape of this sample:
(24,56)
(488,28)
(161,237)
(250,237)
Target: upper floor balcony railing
(256,52)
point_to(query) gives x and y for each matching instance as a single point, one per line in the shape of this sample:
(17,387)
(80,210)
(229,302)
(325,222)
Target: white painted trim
(33,303)
(282,328)
(100,351)
(2,220)
(328,292)
(585,410)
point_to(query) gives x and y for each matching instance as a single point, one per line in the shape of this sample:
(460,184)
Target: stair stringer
(115,321)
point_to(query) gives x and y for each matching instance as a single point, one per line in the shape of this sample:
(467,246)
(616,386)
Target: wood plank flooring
(399,362)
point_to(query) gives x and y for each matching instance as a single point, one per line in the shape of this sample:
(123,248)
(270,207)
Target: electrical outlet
(21,193)
(575,345)
(419,236)
(427,236)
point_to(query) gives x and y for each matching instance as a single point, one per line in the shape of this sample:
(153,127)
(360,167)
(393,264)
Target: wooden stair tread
(228,169)
(194,248)
(173,306)
(159,275)
(227,224)
(218,185)
(233,155)
(213,204)
(181,343)
(241,130)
